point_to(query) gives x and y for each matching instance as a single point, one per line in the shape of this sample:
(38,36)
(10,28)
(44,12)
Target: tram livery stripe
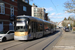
(21,33)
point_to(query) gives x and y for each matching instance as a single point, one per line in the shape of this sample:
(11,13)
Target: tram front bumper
(21,37)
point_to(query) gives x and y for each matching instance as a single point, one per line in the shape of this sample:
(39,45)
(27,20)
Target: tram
(28,27)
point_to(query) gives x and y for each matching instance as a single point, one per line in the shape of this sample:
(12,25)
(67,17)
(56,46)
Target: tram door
(34,28)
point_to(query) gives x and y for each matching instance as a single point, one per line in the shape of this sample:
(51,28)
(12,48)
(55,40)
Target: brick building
(24,8)
(8,8)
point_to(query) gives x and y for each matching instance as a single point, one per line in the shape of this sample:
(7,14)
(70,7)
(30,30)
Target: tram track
(7,42)
(34,43)
(43,41)
(11,44)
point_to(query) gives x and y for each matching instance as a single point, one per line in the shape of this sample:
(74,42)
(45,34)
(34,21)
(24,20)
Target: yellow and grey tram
(27,27)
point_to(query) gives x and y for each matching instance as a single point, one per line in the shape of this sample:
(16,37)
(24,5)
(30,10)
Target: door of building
(1,26)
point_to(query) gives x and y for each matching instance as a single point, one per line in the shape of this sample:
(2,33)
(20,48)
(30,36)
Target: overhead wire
(54,5)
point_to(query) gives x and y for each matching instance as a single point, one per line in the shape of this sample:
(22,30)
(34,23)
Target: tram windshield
(21,24)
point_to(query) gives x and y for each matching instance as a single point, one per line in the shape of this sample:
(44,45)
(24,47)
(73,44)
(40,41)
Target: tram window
(40,27)
(47,27)
(21,28)
(32,25)
(51,26)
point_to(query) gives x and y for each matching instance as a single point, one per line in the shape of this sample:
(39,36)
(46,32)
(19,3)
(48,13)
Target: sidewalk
(67,42)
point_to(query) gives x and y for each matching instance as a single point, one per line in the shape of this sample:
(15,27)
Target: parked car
(57,27)
(6,35)
(67,30)
(64,28)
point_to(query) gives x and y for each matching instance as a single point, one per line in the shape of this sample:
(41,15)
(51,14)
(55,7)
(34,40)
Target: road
(44,43)
(67,41)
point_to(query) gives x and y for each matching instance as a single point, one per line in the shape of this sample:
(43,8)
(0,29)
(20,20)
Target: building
(48,19)
(24,8)
(8,11)
(38,12)
(59,24)
(46,16)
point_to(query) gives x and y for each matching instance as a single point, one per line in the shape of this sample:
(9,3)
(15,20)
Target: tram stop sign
(68,24)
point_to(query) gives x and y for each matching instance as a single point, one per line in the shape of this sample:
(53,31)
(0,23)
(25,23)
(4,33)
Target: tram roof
(35,18)
(46,21)
(30,17)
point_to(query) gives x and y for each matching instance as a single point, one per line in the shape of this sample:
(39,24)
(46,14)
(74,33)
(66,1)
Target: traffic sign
(68,24)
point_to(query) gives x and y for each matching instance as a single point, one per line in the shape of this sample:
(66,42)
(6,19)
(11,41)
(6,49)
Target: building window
(2,8)
(36,10)
(0,22)
(12,0)
(11,10)
(26,1)
(44,10)
(24,8)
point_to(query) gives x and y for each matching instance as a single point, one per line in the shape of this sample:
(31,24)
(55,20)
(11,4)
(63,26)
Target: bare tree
(73,18)
(64,24)
(65,19)
(70,6)
(69,18)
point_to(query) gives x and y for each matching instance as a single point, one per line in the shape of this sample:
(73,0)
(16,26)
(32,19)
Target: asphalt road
(44,43)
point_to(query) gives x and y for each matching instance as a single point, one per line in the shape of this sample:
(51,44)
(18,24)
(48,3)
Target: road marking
(64,47)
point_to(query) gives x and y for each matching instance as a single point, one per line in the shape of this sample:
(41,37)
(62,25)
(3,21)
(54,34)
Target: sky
(54,8)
